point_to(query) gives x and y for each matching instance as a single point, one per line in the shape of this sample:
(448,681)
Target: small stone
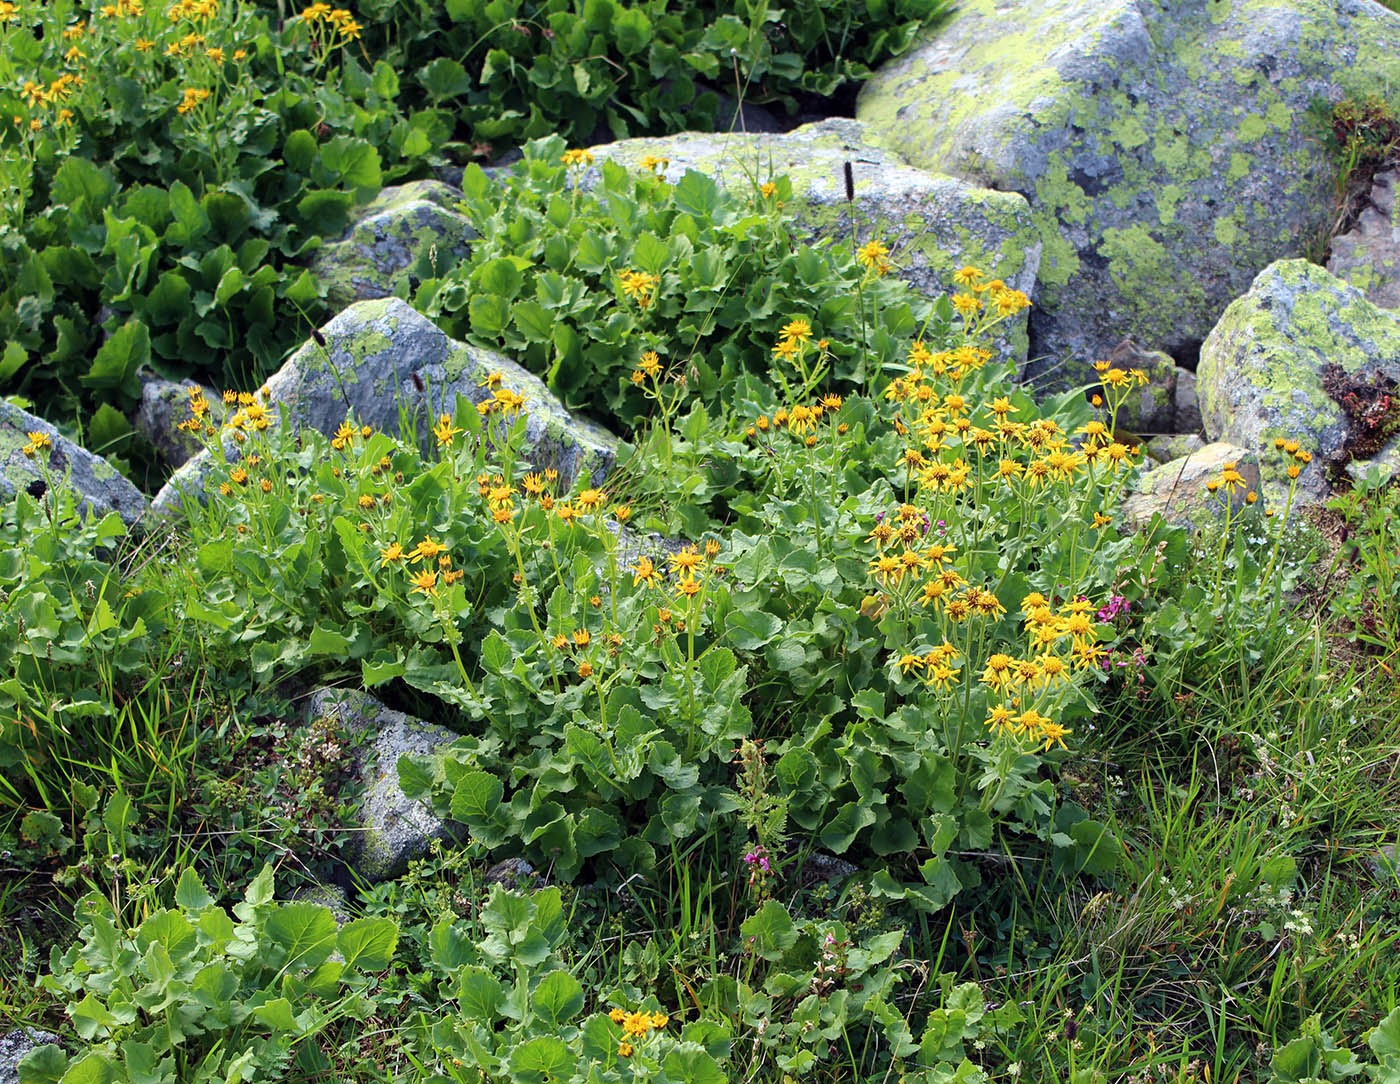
(333,898)
(821,867)
(1177,489)
(99,486)
(394,829)
(1165,448)
(511,872)
(1188,403)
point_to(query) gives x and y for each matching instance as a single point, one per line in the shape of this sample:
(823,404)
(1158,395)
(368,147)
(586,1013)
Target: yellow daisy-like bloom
(390,554)
(799,330)
(967,304)
(650,364)
(1053,733)
(582,637)
(968,276)
(425,582)
(768,189)
(590,500)
(686,562)
(625,1049)
(645,571)
(873,254)
(638,286)
(689,587)
(942,677)
(532,484)
(445,431)
(654,163)
(887,567)
(1001,719)
(427,549)
(801,420)
(577,158)
(499,497)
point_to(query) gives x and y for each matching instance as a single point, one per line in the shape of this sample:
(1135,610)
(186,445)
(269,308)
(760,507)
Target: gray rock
(1165,146)
(333,898)
(410,231)
(1177,489)
(164,405)
(383,360)
(14,1045)
(1165,448)
(1384,465)
(1150,408)
(1188,403)
(820,866)
(511,872)
(1261,370)
(932,224)
(394,829)
(1368,255)
(99,487)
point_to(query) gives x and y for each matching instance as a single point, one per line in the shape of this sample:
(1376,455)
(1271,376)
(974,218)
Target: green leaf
(533,321)
(326,641)
(689,1063)
(770,930)
(479,994)
(748,630)
(540,1059)
(95,1068)
(190,892)
(299,150)
(277,1014)
(631,31)
(12,360)
(697,195)
(1384,1038)
(303,935)
(476,798)
(43,1065)
(368,943)
(558,998)
(119,360)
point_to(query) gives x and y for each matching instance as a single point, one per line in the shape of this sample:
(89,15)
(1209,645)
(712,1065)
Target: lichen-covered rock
(1384,466)
(100,488)
(15,1045)
(1165,146)
(409,232)
(1262,367)
(1368,255)
(164,405)
(1151,407)
(394,829)
(333,898)
(932,224)
(1188,403)
(1177,489)
(1164,449)
(383,360)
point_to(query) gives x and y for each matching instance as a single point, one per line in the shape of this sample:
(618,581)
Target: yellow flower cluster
(339,19)
(502,401)
(436,561)
(577,159)
(124,9)
(37,442)
(874,256)
(801,421)
(1295,451)
(345,435)
(655,163)
(636,1026)
(639,286)
(987,301)
(650,366)
(685,567)
(192,10)
(1111,376)
(194,97)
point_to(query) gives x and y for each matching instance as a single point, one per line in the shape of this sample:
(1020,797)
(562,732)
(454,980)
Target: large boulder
(409,232)
(1166,146)
(1267,370)
(382,361)
(100,488)
(393,829)
(1368,255)
(932,224)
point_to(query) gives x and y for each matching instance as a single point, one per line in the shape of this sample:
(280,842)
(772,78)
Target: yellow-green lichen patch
(1261,368)
(1164,145)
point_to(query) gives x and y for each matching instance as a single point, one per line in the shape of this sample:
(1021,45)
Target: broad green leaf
(368,943)
(770,930)
(558,999)
(302,936)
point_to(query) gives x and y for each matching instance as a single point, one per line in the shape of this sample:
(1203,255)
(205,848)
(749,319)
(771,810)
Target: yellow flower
(576,158)
(967,304)
(215,54)
(798,329)
(638,285)
(391,553)
(445,431)
(425,581)
(768,189)
(1001,719)
(967,276)
(873,254)
(192,99)
(686,562)
(624,1048)
(590,500)
(654,163)
(427,549)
